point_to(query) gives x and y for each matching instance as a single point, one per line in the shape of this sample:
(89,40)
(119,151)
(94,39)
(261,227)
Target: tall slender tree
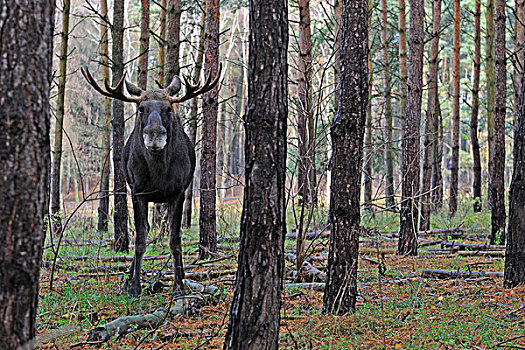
(403,57)
(254,314)
(162,43)
(142,76)
(26,49)
(514,274)
(103,206)
(490,87)
(61,104)
(407,244)
(367,167)
(174,10)
(454,162)
(437,158)
(476,184)
(192,133)
(498,162)
(388,111)
(120,217)
(429,136)
(347,132)
(519,37)
(210,109)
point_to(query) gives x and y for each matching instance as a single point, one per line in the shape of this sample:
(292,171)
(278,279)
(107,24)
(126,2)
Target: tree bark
(476,184)
(347,133)
(26,51)
(142,76)
(403,57)
(490,88)
(338,8)
(254,315)
(519,37)
(161,77)
(120,217)
(103,205)
(454,162)
(437,158)
(367,168)
(407,244)
(430,137)
(514,273)
(57,159)
(172,40)
(498,162)
(188,202)
(210,109)
(388,112)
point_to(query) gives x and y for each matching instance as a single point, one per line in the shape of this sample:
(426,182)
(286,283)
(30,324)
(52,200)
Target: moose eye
(141,111)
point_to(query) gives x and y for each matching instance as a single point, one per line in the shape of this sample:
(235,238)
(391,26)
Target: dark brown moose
(158,162)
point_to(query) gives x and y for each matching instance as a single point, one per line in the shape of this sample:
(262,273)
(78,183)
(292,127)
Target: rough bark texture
(210,109)
(490,87)
(497,186)
(454,162)
(430,137)
(304,104)
(103,205)
(476,184)
(162,45)
(26,49)
(347,133)
(515,251)
(254,315)
(407,244)
(437,158)
(120,217)
(519,37)
(172,40)
(388,112)
(367,167)
(192,132)
(142,76)
(61,102)
(403,64)
(338,8)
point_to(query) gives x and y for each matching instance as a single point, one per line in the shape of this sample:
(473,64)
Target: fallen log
(88,269)
(317,286)
(310,235)
(201,294)
(465,246)
(121,258)
(445,274)
(486,253)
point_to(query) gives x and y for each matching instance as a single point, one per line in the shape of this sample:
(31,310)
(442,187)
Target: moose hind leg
(140,210)
(175,220)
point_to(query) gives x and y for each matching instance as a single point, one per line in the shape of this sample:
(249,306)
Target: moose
(158,163)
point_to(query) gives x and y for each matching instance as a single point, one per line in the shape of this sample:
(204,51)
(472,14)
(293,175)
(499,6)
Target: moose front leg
(175,220)
(140,210)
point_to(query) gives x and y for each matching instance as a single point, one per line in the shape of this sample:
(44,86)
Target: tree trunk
(519,37)
(430,137)
(498,161)
(437,158)
(188,202)
(210,109)
(515,251)
(120,217)
(304,104)
(254,315)
(338,8)
(57,159)
(407,244)
(103,205)
(490,88)
(388,113)
(172,40)
(25,66)
(142,76)
(347,133)
(403,66)
(367,168)
(162,43)
(476,184)
(454,162)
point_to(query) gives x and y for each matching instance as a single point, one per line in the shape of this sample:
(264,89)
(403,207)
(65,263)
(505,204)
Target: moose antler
(115,92)
(196,90)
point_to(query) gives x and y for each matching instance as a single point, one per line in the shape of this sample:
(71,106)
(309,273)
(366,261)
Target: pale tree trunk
(403,57)
(490,88)
(25,66)
(162,43)
(142,76)
(388,113)
(367,167)
(476,184)
(498,172)
(194,108)
(103,206)
(407,244)
(120,217)
(172,40)
(210,108)
(429,136)
(519,37)
(454,162)
(254,314)
(57,159)
(515,251)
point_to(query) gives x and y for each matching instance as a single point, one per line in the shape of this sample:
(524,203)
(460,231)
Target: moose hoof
(133,290)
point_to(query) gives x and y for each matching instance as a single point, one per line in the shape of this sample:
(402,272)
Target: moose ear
(174,87)
(133,89)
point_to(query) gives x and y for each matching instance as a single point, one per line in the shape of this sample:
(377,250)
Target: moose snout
(155,138)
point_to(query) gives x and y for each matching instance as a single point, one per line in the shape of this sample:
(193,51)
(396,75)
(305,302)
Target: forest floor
(400,306)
